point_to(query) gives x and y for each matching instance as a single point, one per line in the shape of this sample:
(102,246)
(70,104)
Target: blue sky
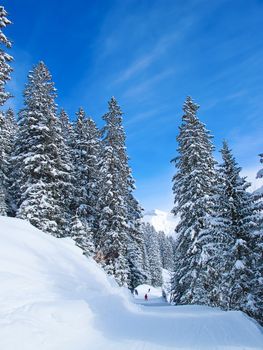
(150,55)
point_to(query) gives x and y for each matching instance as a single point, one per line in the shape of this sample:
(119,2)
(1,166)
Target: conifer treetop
(231,166)
(113,117)
(5,58)
(4,21)
(63,116)
(190,108)
(40,85)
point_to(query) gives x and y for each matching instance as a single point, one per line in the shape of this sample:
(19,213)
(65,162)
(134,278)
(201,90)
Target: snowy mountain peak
(161,221)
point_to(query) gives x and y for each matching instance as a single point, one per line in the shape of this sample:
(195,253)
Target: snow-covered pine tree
(42,175)
(66,128)
(154,255)
(5,58)
(239,286)
(86,153)
(193,188)
(161,239)
(5,71)
(82,235)
(173,243)
(146,262)
(10,129)
(166,251)
(65,180)
(173,246)
(3,167)
(258,252)
(112,230)
(138,263)
(86,146)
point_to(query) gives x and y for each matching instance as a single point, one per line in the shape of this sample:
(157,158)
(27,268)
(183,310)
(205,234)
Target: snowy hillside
(161,221)
(52,297)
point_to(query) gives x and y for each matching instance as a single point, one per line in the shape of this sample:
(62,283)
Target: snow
(161,221)
(154,296)
(259,191)
(260,173)
(52,297)
(239,265)
(252,176)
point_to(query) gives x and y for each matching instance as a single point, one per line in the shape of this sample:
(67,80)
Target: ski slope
(52,298)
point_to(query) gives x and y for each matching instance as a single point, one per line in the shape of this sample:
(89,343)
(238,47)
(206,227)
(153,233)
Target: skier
(146,297)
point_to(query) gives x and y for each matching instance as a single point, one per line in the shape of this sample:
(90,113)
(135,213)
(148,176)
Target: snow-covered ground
(52,297)
(161,221)
(154,296)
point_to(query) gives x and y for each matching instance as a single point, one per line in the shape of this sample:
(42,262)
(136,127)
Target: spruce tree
(146,262)
(5,58)
(119,238)
(10,130)
(65,180)
(239,285)
(82,235)
(86,145)
(3,167)
(137,259)
(258,251)
(42,175)
(67,132)
(166,251)
(86,153)
(154,255)
(194,190)
(66,128)
(172,243)
(5,71)
(112,223)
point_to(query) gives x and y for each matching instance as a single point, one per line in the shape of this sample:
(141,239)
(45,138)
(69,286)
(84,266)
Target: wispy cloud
(143,116)
(155,53)
(242,66)
(142,88)
(146,60)
(212,102)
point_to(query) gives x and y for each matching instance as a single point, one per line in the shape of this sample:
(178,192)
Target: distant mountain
(161,221)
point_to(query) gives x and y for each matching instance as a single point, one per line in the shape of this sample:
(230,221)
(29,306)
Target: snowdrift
(52,298)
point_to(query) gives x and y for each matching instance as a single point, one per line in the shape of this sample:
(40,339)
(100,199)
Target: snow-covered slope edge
(52,297)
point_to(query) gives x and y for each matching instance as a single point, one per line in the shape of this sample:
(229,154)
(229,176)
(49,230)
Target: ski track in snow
(52,298)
